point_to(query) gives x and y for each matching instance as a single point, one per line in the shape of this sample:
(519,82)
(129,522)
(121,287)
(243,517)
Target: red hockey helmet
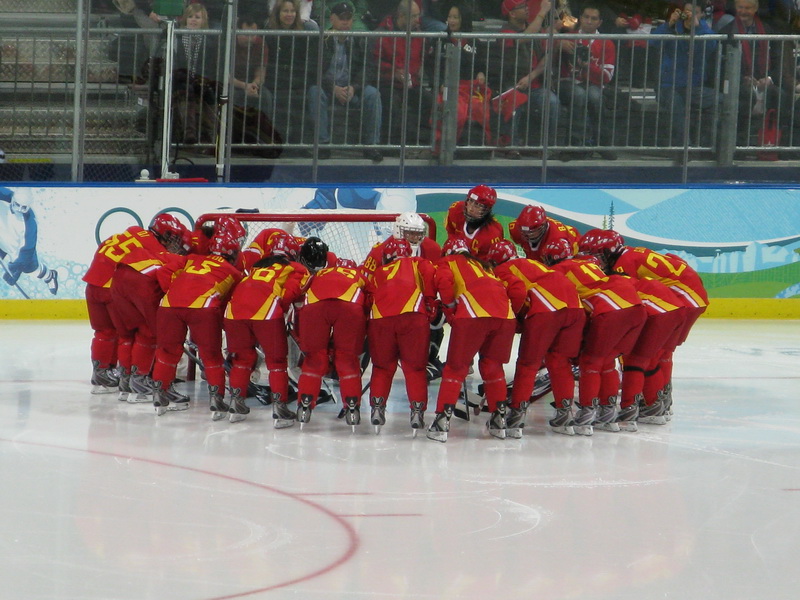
(233,226)
(501,251)
(599,242)
(396,248)
(171,233)
(532,223)
(455,246)
(556,250)
(225,245)
(346,263)
(286,245)
(483,194)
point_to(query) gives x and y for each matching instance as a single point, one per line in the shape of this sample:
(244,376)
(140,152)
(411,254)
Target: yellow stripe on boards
(719,308)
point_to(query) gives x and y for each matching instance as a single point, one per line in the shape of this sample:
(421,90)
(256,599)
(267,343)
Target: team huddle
(586,301)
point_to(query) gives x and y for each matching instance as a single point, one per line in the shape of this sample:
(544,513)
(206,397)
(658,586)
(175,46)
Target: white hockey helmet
(21,201)
(409,226)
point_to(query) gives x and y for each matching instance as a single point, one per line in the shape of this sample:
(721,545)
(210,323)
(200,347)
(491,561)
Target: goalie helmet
(225,245)
(455,246)
(600,242)
(532,223)
(555,251)
(409,226)
(396,248)
(479,203)
(233,226)
(171,233)
(313,254)
(346,263)
(286,245)
(501,251)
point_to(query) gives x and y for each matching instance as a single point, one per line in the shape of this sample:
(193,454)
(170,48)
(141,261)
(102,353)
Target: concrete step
(34,121)
(38,6)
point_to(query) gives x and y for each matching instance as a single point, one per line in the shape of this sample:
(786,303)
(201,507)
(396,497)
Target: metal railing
(673,98)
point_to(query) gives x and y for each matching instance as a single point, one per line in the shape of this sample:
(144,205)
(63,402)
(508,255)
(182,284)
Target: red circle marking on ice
(346,555)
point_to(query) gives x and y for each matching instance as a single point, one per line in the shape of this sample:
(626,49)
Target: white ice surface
(103,500)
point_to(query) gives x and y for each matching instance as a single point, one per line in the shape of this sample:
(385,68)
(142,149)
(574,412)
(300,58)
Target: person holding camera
(587,64)
(674,84)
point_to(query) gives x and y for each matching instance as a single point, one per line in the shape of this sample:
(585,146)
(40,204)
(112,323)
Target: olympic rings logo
(136,218)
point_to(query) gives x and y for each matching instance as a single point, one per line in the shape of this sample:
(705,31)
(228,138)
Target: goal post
(348,234)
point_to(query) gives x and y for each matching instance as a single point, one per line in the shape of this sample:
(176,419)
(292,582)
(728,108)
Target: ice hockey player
(552,328)
(255,315)
(481,311)
(472,220)
(402,300)
(615,319)
(194,302)
(533,229)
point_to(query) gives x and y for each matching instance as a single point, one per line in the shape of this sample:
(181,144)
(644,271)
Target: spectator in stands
(362,18)
(674,84)
(132,52)
(587,65)
(395,76)
(252,103)
(516,69)
(194,74)
(762,72)
(345,71)
(473,94)
(291,67)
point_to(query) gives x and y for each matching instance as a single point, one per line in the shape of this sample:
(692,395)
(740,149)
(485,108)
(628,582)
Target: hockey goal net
(347,234)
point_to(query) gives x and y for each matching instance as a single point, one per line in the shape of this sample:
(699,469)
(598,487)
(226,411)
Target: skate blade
(586,430)
(437,436)
(123,396)
(613,427)
(101,389)
(514,433)
(283,423)
(653,420)
(217,415)
(161,410)
(236,417)
(564,430)
(177,407)
(414,432)
(629,426)
(378,429)
(500,434)
(138,400)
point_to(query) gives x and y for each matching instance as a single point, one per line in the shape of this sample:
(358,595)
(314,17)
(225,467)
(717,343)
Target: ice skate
(496,425)
(583,419)
(281,413)
(238,410)
(627,416)
(606,416)
(417,417)
(304,409)
(105,380)
(562,420)
(515,420)
(160,400)
(352,412)
(141,386)
(652,414)
(216,403)
(378,413)
(124,385)
(667,400)
(441,425)
(175,396)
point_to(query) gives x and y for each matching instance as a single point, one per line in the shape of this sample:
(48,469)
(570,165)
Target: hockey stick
(16,285)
